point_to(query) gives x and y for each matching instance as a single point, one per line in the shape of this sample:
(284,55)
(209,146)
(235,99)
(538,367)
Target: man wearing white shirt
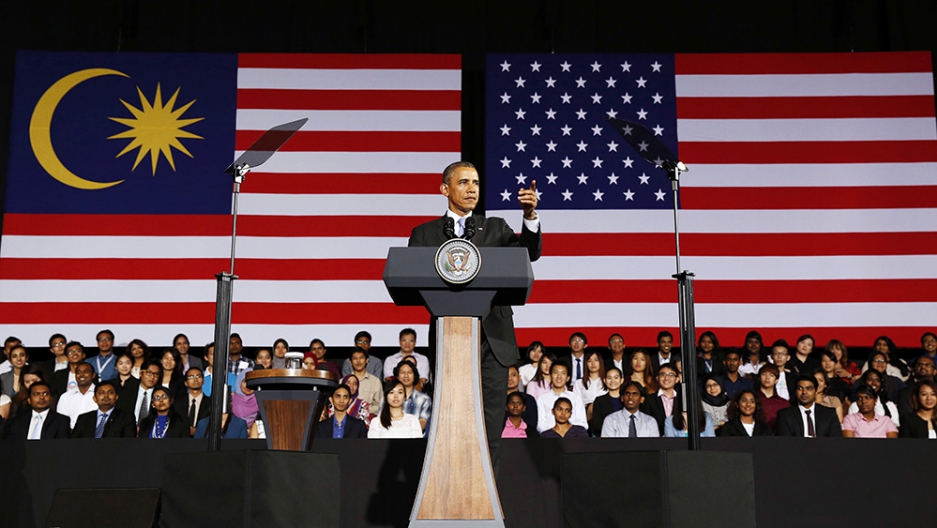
(577,361)
(41,422)
(559,376)
(630,422)
(616,345)
(77,402)
(407,344)
(807,419)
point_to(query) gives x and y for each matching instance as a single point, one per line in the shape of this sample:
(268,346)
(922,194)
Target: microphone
(469,228)
(449,228)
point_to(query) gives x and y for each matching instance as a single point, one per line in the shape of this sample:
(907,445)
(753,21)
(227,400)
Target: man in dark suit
(807,419)
(106,421)
(660,404)
(195,405)
(41,422)
(340,425)
(461,186)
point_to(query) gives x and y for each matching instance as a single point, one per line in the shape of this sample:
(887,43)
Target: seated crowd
(755,391)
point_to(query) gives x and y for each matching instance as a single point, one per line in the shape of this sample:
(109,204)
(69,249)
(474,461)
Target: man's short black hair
(781,343)
(57,336)
(316,340)
(868,391)
(74,343)
(361,350)
(662,334)
(363,333)
(663,366)
(808,377)
(454,166)
(732,352)
(407,331)
(514,393)
(580,335)
(11,339)
(111,383)
(39,383)
(105,331)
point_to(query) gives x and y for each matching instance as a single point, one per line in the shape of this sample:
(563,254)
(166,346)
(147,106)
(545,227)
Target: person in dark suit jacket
(353,427)
(54,425)
(461,186)
(746,405)
(194,379)
(923,416)
(117,424)
(76,356)
(163,422)
(653,404)
(791,420)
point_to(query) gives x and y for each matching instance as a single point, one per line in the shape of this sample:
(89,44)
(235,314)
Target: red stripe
(646,338)
(809,152)
(804,107)
(740,245)
(349,99)
(797,63)
(341,183)
(360,141)
(350,61)
(821,198)
(204,313)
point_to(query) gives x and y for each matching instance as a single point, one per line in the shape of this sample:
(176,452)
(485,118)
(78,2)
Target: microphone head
(449,228)
(469,228)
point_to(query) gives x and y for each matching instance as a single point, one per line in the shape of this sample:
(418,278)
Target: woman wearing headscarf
(358,408)
(715,400)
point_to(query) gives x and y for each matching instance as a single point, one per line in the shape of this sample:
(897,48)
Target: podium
(457,483)
(291,401)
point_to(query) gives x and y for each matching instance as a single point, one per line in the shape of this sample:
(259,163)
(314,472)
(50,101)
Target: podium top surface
(291,378)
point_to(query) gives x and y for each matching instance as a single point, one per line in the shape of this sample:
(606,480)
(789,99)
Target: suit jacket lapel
(479,237)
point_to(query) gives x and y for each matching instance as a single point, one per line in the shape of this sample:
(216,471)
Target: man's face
(514,379)
(340,399)
(75,354)
(865,403)
(665,343)
(58,346)
(559,377)
(929,344)
(405,375)
(631,398)
(667,379)
(318,349)
(359,361)
(407,343)
(105,396)
(732,363)
(924,368)
(516,406)
(210,356)
(235,346)
(363,342)
(105,342)
(40,398)
(9,346)
(780,356)
(84,375)
(561,412)
(577,345)
(768,379)
(806,393)
(616,344)
(194,379)
(462,190)
(149,377)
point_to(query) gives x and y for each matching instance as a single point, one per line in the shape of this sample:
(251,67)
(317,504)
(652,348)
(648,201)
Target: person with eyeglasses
(64,380)
(162,421)
(139,402)
(375,366)
(660,404)
(195,405)
(105,363)
(59,361)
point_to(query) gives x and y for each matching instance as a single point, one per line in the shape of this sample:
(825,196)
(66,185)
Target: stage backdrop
(118,214)
(809,206)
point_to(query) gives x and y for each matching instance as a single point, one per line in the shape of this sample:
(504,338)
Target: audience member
(665,353)
(562,410)
(894,365)
(162,421)
(104,363)
(660,404)
(369,384)
(181,344)
(753,357)
(11,380)
(709,356)
(106,421)
(890,384)
(883,405)
(140,353)
(407,346)
(803,361)
(237,362)
(124,379)
(541,381)
(592,385)
(317,347)
(263,359)
(356,407)
(20,400)
(41,422)
(920,422)
(375,366)
(514,425)
(835,385)
(630,422)
(59,361)
(642,372)
(173,377)
(715,400)
(577,349)
(787,380)
(806,419)
(243,402)
(64,380)
(746,417)
(607,403)
(280,348)
(825,399)
(924,369)
(393,422)
(231,427)
(676,424)
(559,376)
(530,403)
(732,381)
(865,423)
(616,348)
(77,402)
(770,401)
(929,346)
(341,424)
(194,404)
(139,402)
(416,402)
(309,361)
(208,355)
(529,370)
(845,368)
(8,345)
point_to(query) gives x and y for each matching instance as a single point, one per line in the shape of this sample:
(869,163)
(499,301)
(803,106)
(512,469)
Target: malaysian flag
(809,206)
(118,214)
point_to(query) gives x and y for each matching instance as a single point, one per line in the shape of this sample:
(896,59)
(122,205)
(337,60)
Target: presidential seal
(458,261)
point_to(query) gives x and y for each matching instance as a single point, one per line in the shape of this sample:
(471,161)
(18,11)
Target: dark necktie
(144,409)
(99,430)
(192,422)
(811,432)
(579,370)
(632,429)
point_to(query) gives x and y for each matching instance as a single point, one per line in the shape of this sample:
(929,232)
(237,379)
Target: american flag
(809,206)
(315,222)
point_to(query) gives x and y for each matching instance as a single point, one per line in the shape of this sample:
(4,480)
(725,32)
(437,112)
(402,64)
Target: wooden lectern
(291,401)
(458,483)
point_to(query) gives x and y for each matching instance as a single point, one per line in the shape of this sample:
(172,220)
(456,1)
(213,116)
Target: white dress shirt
(545,403)
(596,389)
(812,418)
(32,425)
(73,404)
(422,364)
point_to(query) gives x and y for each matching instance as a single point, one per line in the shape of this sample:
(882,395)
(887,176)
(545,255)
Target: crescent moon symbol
(41,123)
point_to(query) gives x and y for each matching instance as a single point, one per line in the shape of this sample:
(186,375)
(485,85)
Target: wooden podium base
(457,487)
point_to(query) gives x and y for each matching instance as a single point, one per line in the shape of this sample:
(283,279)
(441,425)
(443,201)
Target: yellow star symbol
(155,128)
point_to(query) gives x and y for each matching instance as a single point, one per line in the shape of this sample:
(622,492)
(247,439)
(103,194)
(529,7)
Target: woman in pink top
(866,423)
(541,383)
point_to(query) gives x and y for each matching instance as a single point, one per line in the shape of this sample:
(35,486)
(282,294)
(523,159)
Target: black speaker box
(669,489)
(104,508)
(251,489)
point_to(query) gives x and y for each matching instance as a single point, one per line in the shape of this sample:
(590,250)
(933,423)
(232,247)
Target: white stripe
(739,268)
(850,129)
(159,336)
(808,315)
(363,79)
(811,175)
(358,162)
(342,204)
(804,85)
(128,247)
(731,221)
(354,120)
